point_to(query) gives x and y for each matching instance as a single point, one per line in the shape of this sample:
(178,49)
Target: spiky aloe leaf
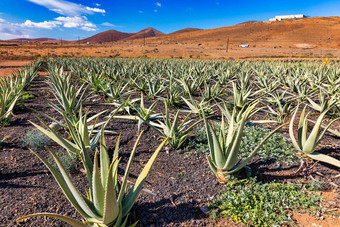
(111,207)
(97,187)
(216,153)
(127,171)
(65,183)
(291,132)
(324,158)
(302,129)
(212,165)
(68,220)
(56,138)
(312,140)
(321,135)
(132,195)
(233,153)
(104,159)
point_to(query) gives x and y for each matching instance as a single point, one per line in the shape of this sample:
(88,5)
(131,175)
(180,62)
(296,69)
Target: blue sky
(68,19)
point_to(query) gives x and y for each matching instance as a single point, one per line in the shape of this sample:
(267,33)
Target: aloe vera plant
(282,106)
(198,108)
(325,103)
(108,201)
(116,91)
(212,92)
(176,132)
(155,87)
(307,144)
(224,148)
(69,96)
(143,114)
(8,101)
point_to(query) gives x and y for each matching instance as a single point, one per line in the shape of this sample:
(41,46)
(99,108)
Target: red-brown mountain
(113,35)
(107,36)
(147,32)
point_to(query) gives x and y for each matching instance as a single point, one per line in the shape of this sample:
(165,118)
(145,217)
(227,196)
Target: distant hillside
(30,40)
(304,33)
(107,36)
(185,30)
(301,33)
(113,35)
(147,32)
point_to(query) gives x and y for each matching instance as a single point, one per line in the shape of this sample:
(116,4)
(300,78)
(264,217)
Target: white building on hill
(287,17)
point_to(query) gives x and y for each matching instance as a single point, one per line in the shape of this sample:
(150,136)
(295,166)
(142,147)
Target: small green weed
(264,204)
(35,140)
(27,96)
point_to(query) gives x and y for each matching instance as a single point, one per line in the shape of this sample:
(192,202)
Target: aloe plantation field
(151,142)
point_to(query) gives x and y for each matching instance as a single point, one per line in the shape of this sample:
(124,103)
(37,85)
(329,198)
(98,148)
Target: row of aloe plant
(202,85)
(108,200)
(12,88)
(234,89)
(212,80)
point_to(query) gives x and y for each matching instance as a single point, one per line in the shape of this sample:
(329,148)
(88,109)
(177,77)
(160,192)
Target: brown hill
(107,36)
(113,35)
(308,32)
(147,32)
(185,30)
(30,40)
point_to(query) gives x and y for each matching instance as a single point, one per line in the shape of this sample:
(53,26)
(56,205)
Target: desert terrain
(310,38)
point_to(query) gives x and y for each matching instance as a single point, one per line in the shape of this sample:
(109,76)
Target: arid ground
(310,38)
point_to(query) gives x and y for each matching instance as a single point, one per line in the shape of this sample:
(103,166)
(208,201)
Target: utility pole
(61,41)
(78,40)
(227,45)
(144,38)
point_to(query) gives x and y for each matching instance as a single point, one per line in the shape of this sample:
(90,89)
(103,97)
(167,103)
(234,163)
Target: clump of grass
(35,140)
(276,148)
(265,204)
(69,161)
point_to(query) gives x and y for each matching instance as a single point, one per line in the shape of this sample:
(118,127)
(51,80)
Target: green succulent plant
(307,144)
(108,201)
(224,149)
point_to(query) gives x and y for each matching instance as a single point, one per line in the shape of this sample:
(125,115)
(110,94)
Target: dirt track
(8,67)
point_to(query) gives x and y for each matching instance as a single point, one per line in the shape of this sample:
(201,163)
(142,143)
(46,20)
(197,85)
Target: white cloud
(97,4)
(155,10)
(59,22)
(77,22)
(96,10)
(140,11)
(10,31)
(67,8)
(45,24)
(158,4)
(72,17)
(108,24)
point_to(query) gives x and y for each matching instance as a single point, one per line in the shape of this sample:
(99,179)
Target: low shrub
(70,162)
(265,204)
(35,140)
